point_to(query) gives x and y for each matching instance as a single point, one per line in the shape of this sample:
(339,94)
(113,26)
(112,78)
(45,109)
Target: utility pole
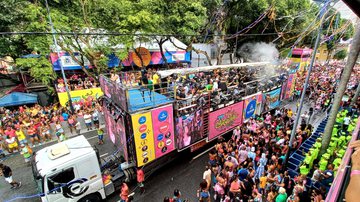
(353,55)
(58,54)
(293,132)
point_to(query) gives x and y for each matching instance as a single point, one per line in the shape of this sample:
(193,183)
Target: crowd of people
(24,127)
(249,166)
(76,82)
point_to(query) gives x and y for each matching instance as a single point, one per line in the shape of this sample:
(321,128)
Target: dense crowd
(76,82)
(249,166)
(23,127)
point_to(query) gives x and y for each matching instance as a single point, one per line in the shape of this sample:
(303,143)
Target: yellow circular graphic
(161,144)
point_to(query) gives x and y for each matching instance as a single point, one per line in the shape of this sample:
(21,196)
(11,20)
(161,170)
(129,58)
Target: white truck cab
(71,171)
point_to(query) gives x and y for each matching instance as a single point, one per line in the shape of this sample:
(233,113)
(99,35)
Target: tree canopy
(277,21)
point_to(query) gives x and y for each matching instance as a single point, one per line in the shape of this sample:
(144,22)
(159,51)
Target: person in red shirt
(10,132)
(32,133)
(124,194)
(141,179)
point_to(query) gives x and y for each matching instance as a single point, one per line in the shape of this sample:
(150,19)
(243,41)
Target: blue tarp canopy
(16,98)
(30,56)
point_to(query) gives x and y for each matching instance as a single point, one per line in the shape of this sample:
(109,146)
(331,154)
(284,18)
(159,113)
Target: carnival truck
(72,171)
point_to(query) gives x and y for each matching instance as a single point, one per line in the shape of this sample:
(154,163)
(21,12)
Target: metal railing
(339,185)
(152,95)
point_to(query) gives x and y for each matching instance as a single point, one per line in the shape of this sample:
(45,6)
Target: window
(60,179)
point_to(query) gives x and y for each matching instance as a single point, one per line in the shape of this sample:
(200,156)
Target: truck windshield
(37,177)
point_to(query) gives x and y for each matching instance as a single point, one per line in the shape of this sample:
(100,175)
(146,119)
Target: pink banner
(225,119)
(163,128)
(289,86)
(116,131)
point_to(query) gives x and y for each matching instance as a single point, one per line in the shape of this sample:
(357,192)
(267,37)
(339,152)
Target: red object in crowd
(140,175)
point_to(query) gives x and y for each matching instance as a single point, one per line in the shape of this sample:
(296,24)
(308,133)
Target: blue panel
(137,101)
(16,98)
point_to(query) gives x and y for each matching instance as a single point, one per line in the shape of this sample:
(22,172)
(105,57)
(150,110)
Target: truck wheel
(91,198)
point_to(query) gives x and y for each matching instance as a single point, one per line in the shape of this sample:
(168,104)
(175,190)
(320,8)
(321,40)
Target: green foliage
(40,69)
(11,18)
(336,28)
(287,18)
(340,55)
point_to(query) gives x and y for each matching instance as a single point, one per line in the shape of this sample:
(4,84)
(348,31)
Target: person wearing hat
(26,152)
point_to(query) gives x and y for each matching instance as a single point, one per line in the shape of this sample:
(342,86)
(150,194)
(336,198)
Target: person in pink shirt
(268,119)
(243,154)
(124,194)
(10,132)
(140,179)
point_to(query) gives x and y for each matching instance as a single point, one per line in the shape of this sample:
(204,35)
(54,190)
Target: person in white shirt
(347,121)
(215,85)
(87,118)
(77,107)
(236,133)
(95,118)
(78,127)
(207,176)
(277,112)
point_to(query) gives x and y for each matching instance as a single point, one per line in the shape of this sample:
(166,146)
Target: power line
(122,34)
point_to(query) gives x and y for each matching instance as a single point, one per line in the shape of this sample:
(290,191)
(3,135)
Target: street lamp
(59,57)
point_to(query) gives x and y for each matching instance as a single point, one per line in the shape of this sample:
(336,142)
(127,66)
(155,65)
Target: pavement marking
(102,155)
(203,153)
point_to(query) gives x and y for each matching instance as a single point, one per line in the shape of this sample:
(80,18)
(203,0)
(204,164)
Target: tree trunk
(353,55)
(197,51)
(219,56)
(161,42)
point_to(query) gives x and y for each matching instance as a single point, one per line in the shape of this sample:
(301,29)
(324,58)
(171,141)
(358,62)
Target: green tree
(286,18)
(335,29)
(340,55)
(11,17)
(179,18)
(39,68)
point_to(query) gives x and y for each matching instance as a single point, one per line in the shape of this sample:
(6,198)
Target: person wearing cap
(26,152)
(328,176)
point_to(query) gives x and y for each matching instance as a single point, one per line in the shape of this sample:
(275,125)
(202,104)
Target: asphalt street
(184,173)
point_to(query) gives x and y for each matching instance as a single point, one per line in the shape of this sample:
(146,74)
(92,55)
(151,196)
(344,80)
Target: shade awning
(16,98)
